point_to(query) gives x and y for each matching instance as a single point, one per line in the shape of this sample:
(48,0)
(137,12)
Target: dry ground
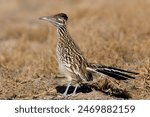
(112,32)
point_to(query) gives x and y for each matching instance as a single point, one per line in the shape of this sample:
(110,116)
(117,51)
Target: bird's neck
(62,32)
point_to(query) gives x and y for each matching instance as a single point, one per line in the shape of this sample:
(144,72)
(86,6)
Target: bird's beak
(47,18)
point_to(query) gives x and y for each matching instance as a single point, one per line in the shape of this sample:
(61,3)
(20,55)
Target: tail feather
(125,71)
(116,75)
(113,72)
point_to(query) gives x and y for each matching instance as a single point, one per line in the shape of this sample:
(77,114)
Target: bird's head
(57,20)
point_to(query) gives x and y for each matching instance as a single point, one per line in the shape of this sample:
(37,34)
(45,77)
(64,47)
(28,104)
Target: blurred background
(111,32)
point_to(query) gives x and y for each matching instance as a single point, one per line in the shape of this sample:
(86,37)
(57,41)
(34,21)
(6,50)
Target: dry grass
(115,33)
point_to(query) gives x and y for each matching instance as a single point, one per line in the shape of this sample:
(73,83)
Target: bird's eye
(60,19)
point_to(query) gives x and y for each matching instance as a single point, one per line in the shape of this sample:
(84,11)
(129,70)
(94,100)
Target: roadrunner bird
(71,61)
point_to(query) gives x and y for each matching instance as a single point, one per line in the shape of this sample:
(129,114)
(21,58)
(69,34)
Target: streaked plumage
(71,61)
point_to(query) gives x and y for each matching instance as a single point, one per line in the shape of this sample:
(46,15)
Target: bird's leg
(68,85)
(74,92)
(77,85)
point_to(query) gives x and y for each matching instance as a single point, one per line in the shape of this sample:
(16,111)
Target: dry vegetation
(112,32)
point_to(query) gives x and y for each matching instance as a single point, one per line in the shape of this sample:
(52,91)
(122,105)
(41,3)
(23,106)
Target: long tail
(113,72)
